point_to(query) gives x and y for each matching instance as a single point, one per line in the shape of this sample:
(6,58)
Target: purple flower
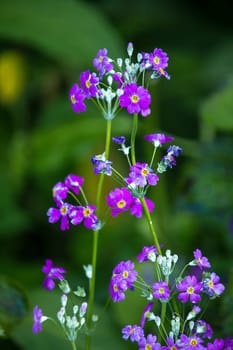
(149,342)
(119,200)
(89,82)
(102,62)
(38,318)
(136,208)
(120,140)
(211,285)
(218,344)
(158,139)
(126,270)
(158,59)
(77,97)
(203,329)
(135,333)
(201,261)
(52,272)
(136,99)
(171,345)
(190,289)
(145,313)
(147,253)
(60,191)
(117,288)
(101,165)
(191,343)
(86,215)
(74,182)
(141,175)
(60,213)
(169,160)
(161,291)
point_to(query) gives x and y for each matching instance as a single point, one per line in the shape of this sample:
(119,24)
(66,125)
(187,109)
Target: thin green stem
(133,137)
(95,242)
(150,224)
(74,347)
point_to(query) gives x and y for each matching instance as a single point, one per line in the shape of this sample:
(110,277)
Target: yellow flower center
(125,274)
(73,100)
(161,290)
(100,58)
(193,342)
(115,288)
(131,330)
(87,212)
(88,84)
(63,210)
(190,290)
(121,204)
(210,284)
(144,172)
(134,98)
(148,347)
(156,60)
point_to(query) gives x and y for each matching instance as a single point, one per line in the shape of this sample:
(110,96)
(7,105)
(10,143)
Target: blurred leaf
(62,29)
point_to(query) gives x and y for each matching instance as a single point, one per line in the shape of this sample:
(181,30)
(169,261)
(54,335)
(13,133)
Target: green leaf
(69,31)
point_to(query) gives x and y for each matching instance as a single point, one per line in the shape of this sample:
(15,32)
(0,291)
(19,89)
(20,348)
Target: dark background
(44,46)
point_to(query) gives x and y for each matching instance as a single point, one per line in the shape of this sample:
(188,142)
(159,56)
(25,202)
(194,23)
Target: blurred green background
(44,45)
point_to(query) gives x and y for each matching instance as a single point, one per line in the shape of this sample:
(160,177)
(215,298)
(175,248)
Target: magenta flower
(77,98)
(145,313)
(38,318)
(161,291)
(136,99)
(134,333)
(147,253)
(169,160)
(158,59)
(102,62)
(89,82)
(171,345)
(201,261)
(60,191)
(141,175)
(212,285)
(120,140)
(60,213)
(74,182)
(86,215)
(52,272)
(149,342)
(158,139)
(191,343)
(117,288)
(101,165)
(190,289)
(119,200)
(218,344)
(136,208)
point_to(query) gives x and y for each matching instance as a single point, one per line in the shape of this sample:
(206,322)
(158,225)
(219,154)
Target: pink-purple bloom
(77,97)
(60,191)
(60,213)
(169,160)
(89,83)
(52,272)
(145,313)
(101,165)
(190,343)
(189,289)
(134,333)
(119,200)
(136,99)
(161,291)
(158,139)
(120,140)
(211,285)
(171,344)
(85,214)
(74,182)
(37,320)
(158,59)
(136,208)
(201,261)
(102,62)
(149,342)
(147,253)
(141,175)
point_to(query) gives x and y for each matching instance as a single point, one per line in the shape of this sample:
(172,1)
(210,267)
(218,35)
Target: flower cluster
(177,331)
(67,212)
(128,91)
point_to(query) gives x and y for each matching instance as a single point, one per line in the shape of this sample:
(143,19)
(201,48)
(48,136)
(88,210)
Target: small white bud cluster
(175,325)
(167,262)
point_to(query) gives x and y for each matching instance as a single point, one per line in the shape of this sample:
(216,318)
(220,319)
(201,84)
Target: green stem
(95,243)
(150,224)
(74,347)
(133,137)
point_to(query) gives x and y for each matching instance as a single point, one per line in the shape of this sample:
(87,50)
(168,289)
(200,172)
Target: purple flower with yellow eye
(126,270)
(60,213)
(201,261)
(134,333)
(89,82)
(149,342)
(158,139)
(102,62)
(190,343)
(74,182)
(158,59)
(51,272)
(77,97)
(117,288)
(119,200)
(136,99)
(212,285)
(140,175)
(161,291)
(189,288)
(86,215)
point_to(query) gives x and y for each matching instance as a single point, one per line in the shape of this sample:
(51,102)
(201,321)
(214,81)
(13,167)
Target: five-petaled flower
(135,332)
(211,285)
(89,83)
(60,213)
(190,288)
(161,291)
(141,175)
(200,260)
(77,97)
(85,214)
(136,99)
